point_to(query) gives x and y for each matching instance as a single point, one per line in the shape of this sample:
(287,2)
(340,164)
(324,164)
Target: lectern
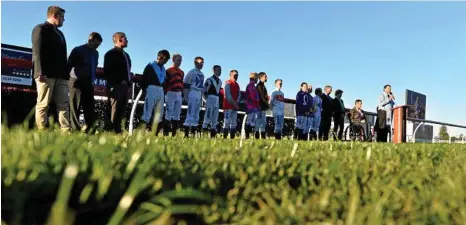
(400,114)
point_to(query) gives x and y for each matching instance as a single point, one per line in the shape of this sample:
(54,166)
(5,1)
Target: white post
(133,111)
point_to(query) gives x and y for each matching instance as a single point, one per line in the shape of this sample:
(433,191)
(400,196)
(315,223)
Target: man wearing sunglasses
(193,88)
(83,62)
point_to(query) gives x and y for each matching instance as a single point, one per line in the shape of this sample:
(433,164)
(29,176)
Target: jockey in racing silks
(231,99)
(193,88)
(252,103)
(152,81)
(212,87)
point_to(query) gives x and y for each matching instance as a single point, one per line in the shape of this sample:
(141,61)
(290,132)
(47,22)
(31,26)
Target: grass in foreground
(106,179)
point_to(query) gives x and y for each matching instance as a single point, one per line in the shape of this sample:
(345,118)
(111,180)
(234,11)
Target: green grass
(52,178)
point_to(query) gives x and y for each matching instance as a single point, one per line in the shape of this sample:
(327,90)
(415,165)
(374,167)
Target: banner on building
(14,72)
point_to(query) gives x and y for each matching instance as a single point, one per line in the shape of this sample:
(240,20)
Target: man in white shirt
(193,88)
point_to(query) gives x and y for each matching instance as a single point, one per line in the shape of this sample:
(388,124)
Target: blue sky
(354,46)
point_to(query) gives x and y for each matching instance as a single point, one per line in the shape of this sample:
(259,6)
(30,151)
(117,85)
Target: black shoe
(232,133)
(263,135)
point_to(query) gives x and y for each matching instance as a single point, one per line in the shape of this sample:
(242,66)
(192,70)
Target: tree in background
(461,136)
(443,133)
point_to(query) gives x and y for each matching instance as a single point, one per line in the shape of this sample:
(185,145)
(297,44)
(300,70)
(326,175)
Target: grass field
(52,178)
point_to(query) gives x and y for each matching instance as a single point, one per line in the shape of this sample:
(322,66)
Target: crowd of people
(68,81)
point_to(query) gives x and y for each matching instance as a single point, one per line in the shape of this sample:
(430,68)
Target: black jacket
(337,106)
(49,54)
(115,67)
(327,106)
(264,97)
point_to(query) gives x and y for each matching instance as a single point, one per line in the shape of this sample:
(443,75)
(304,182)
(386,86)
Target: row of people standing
(69,83)
(314,113)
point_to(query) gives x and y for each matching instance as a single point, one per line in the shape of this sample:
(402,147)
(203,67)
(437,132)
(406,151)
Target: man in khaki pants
(51,71)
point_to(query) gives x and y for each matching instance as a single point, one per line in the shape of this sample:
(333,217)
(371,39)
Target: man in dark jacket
(327,112)
(117,73)
(338,114)
(83,62)
(261,121)
(50,68)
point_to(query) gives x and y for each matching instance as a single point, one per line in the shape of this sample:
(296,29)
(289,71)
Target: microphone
(392,95)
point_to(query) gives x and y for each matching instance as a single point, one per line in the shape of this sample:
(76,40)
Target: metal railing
(422,122)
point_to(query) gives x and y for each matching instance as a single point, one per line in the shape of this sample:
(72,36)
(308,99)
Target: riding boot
(277,136)
(194,131)
(257,134)
(263,135)
(301,134)
(166,127)
(247,131)
(232,133)
(213,133)
(225,133)
(186,131)
(296,134)
(174,127)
